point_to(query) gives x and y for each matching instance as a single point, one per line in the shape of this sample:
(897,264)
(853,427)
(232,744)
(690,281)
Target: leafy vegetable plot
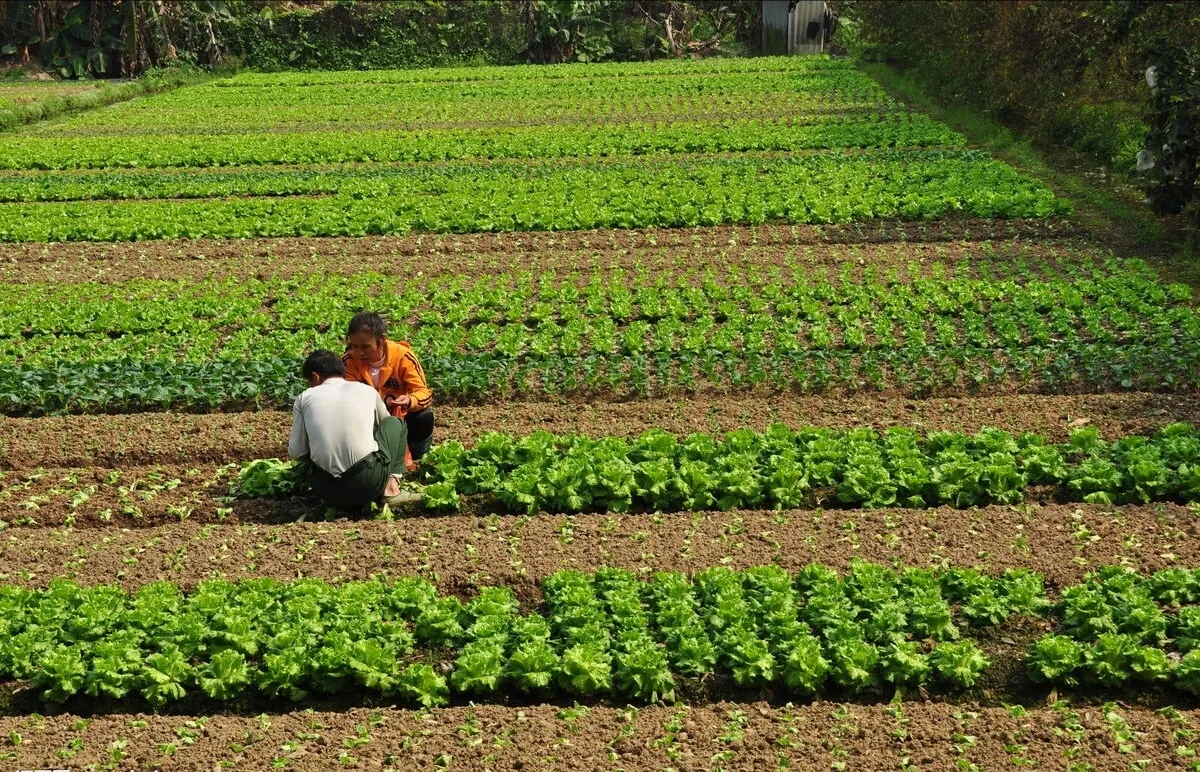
(603,633)
(785,468)
(598,634)
(144,344)
(636,146)
(630,311)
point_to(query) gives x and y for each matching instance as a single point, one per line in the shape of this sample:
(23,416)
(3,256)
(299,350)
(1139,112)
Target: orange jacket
(401,374)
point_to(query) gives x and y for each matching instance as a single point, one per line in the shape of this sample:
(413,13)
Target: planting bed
(462,552)
(180,439)
(940,518)
(729,736)
(882,242)
(1035,320)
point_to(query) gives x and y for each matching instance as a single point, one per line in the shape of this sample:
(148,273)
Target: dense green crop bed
(595,634)
(612,147)
(679,144)
(541,315)
(135,385)
(413,112)
(788,469)
(543,73)
(162,343)
(666,192)
(450,144)
(528,314)
(599,634)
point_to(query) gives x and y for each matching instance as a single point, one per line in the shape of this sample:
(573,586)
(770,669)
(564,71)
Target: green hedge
(378,35)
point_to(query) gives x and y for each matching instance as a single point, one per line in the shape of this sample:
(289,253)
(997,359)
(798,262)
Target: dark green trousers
(364,482)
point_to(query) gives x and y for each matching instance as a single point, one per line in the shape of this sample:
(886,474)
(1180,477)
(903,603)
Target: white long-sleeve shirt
(333,423)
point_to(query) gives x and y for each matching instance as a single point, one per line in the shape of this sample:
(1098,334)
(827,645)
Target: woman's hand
(404,402)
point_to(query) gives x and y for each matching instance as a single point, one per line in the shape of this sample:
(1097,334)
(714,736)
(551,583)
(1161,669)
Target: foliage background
(1070,73)
(121,38)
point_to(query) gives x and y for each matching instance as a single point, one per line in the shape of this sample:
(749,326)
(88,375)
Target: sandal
(403,497)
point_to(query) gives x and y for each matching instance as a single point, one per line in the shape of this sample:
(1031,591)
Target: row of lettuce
(413,112)
(607,633)
(814,92)
(1119,296)
(1163,361)
(830,131)
(696,93)
(787,469)
(657,192)
(543,72)
(186,323)
(729,337)
(645,279)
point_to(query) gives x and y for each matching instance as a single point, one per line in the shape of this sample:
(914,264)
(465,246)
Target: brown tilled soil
(1048,257)
(489,253)
(463,552)
(188,440)
(750,736)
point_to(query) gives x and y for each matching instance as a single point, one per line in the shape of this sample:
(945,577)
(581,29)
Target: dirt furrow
(487,253)
(728,736)
(832,262)
(464,552)
(145,439)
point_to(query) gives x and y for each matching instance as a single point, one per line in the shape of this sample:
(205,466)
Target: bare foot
(392,487)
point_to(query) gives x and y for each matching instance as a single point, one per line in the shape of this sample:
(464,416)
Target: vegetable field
(777,427)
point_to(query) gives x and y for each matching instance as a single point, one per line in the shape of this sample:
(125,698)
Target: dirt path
(189,440)
(752,736)
(464,552)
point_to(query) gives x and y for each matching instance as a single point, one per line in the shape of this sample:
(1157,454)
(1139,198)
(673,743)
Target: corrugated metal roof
(800,30)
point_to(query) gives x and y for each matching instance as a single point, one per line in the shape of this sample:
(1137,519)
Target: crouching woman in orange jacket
(394,371)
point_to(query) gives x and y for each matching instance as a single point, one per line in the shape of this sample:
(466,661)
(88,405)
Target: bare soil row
(901,262)
(484,254)
(146,439)
(727,736)
(464,552)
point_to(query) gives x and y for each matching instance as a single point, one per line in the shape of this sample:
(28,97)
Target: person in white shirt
(352,446)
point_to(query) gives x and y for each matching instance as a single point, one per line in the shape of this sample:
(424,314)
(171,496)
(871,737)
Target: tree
(107,38)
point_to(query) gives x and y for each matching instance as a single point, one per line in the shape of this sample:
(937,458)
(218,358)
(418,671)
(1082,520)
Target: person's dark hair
(324,363)
(369,321)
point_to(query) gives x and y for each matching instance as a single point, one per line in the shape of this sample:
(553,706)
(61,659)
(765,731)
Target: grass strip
(155,81)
